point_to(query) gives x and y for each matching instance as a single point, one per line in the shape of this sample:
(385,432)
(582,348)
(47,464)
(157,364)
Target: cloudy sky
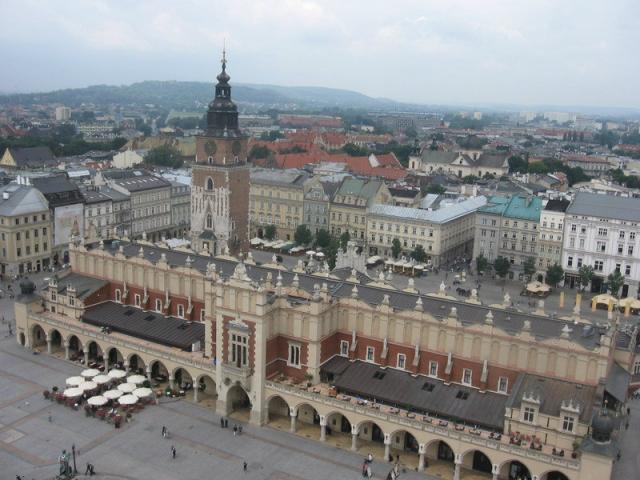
(560,52)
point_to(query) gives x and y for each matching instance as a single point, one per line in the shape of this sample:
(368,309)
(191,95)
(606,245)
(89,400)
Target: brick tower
(220,178)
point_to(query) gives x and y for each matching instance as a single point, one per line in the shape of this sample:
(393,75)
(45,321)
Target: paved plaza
(491,290)
(30,444)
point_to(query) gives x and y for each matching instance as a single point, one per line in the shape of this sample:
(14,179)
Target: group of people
(237,429)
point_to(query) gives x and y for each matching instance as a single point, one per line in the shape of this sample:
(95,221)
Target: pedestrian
(50,417)
(239,429)
(221,422)
(164,432)
(10,331)
(226,423)
(235,429)
(244,466)
(173,451)
(369,458)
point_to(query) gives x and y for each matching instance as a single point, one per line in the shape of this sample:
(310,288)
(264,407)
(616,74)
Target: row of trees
(518,164)
(554,274)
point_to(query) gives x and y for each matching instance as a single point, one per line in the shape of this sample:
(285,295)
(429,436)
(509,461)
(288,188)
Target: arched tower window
(209,221)
(209,184)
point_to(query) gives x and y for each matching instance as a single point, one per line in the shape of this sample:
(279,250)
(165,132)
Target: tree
(586,274)
(303,235)
(323,238)
(354,150)
(259,151)
(396,248)
(145,129)
(332,251)
(270,232)
(529,267)
(418,254)
(469,179)
(164,156)
(517,164)
(502,266)
(615,281)
(555,274)
(436,188)
(344,240)
(271,135)
(481,263)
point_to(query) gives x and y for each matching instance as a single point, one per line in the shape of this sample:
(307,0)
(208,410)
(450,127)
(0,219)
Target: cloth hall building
(458,388)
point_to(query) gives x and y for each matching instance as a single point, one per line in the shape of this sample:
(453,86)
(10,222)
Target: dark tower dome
(602,427)
(27,287)
(222,115)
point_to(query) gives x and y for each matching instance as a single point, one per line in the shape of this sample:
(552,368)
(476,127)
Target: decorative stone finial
(527,325)
(188,261)
(385,299)
(418,306)
(565,331)
(279,280)
(296,281)
(354,292)
(488,319)
(141,252)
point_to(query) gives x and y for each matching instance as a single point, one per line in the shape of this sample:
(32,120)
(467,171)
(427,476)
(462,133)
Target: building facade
(387,371)
(25,230)
(550,235)
(127,159)
(444,234)
(602,231)
(349,205)
(220,177)
(276,198)
(508,227)
(317,201)
(180,209)
(460,164)
(98,214)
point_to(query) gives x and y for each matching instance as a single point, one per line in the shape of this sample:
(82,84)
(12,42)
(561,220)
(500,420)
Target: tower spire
(224,54)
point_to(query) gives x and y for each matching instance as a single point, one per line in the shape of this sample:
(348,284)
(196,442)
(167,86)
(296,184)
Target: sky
(524,52)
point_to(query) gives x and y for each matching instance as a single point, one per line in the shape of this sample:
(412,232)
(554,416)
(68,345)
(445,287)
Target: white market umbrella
(136,379)
(142,392)
(74,381)
(88,385)
(311,253)
(112,394)
(90,372)
(73,392)
(102,379)
(127,387)
(97,401)
(128,400)
(115,373)
(320,254)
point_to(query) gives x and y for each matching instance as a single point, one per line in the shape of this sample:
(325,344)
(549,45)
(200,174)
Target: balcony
(232,374)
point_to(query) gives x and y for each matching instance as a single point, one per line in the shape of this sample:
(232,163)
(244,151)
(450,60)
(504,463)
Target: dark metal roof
(84,286)
(552,393)
(418,393)
(511,320)
(618,382)
(33,157)
(151,326)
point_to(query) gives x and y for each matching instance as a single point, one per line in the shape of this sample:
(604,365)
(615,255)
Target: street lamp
(73,450)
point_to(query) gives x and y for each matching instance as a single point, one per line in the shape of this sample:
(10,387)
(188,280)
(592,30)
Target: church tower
(220,178)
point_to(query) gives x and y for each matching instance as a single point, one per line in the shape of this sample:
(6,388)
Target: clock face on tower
(210,147)
(236,147)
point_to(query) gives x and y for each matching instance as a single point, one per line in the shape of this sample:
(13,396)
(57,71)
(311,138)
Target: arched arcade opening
(137,365)
(338,430)
(439,459)
(206,393)
(238,403)
(476,465)
(514,470)
(553,475)
(38,338)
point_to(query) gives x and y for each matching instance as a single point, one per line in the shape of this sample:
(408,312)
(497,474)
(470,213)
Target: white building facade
(602,231)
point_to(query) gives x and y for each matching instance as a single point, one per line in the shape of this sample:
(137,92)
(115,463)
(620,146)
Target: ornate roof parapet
(411,286)
(531,397)
(250,260)
(299,268)
(566,331)
(316,292)
(296,281)
(188,262)
(240,273)
(419,306)
(570,406)
(354,292)
(353,277)
(488,319)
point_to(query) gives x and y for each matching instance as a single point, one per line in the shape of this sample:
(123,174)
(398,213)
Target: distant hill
(195,95)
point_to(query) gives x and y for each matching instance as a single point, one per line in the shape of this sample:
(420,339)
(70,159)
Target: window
(528,414)
(598,265)
(574,227)
(202,314)
(630,250)
(503,384)
(632,235)
(344,348)
(433,368)
(567,424)
(180,310)
(371,354)
(636,368)
(401,361)
(579,263)
(238,350)
(53,296)
(627,270)
(18,252)
(569,261)
(136,300)
(466,376)
(294,355)
(118,296)
(18,236)
(158,305)
(602,232)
